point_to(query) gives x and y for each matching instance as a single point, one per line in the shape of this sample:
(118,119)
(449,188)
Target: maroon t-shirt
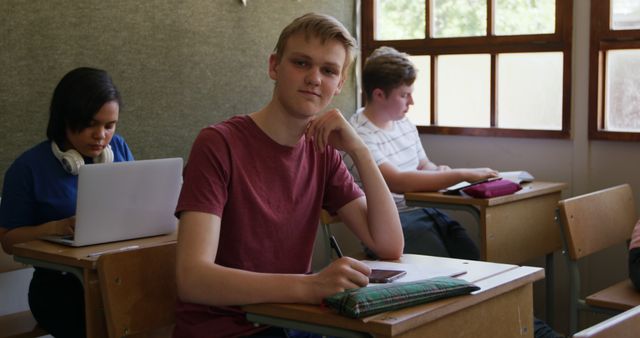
(268,197)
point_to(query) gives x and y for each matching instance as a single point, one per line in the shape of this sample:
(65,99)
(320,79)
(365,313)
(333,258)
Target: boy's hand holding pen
(375,275)
(335,246)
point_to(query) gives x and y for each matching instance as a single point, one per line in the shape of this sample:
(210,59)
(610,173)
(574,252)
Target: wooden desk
(513,228)
(82,262)
(502,308)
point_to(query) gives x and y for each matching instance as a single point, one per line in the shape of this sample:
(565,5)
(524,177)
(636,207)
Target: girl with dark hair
(40,187)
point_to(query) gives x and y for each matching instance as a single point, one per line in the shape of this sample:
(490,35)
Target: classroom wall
(180,65)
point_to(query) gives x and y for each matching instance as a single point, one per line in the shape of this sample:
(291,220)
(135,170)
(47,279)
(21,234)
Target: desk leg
(94,310)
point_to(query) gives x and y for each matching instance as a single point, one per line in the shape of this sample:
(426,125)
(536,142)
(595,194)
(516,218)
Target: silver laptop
(125,200)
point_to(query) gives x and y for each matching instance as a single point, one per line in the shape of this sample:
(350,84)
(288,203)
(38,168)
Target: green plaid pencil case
(367,301)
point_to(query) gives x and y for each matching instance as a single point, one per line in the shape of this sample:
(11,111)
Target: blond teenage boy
(254,186)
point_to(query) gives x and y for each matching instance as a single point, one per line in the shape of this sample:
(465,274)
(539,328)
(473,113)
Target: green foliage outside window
(405,19)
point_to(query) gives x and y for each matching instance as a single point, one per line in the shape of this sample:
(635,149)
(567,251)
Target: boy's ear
(274,62)
(378,94)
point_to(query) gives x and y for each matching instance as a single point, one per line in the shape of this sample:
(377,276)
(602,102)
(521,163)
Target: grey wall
(180,65)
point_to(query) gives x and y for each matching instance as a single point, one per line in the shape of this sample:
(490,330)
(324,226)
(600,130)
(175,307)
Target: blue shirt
(37,189)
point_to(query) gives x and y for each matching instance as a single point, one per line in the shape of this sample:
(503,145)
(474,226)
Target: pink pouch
(492,189)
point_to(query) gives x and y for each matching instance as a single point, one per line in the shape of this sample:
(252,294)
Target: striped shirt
(399,146)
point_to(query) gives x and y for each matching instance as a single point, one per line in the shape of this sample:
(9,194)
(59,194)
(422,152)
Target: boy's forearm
(221,286)
(411,181)
(382,215)
(201,280)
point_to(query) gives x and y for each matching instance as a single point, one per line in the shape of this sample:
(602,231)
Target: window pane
(525,17)
(419,112)
(625,14)
(530,91)
(463,90)
(458,18)
(399,19)
(622,97)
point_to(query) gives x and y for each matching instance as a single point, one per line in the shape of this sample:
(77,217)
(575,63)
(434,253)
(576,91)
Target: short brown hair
(387,69)
(322,26)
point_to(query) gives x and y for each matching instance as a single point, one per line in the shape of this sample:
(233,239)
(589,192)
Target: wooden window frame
(604,39)
(560,41)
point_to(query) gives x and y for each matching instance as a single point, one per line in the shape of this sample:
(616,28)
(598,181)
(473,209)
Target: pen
(93,254)
(334,245)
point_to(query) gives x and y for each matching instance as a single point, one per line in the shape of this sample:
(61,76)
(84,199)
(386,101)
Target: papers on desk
(417,271)
(517,176)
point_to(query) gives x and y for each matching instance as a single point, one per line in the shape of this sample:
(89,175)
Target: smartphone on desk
(385,276)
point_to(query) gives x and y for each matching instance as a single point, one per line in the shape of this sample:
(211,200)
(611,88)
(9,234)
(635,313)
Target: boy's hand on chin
(331,128)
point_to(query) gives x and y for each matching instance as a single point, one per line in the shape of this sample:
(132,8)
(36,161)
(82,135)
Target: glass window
(456,18)
(463,90)
(530,90)
(486,67)
(622,102)
(400,19)
(625,14)
(514,17)
(614,80)
(421,91)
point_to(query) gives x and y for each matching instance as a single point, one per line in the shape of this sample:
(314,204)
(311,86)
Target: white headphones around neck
(71,159)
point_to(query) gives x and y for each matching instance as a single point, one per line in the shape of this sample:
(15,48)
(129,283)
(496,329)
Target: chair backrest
(623,325)
(598,220)
(139,289)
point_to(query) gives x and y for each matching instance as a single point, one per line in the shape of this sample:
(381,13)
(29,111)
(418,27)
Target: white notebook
(125,200)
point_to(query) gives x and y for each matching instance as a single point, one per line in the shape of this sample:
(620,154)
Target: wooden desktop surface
(82,262)
(82,257)
(503,306)
(621,296)
(528,190)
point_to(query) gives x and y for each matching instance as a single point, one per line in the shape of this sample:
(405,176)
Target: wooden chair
(591,223)
(139,291)
(623,325)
